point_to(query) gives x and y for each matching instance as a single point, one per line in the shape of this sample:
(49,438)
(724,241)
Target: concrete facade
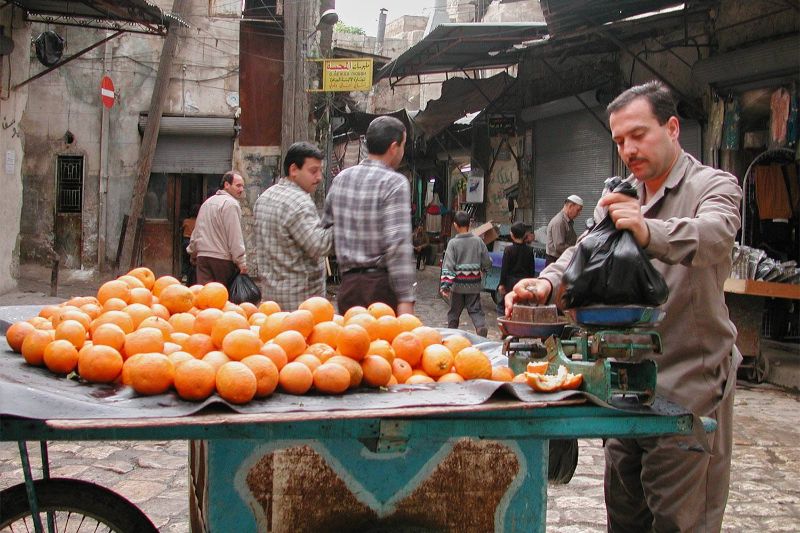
(204,82)
(12,143)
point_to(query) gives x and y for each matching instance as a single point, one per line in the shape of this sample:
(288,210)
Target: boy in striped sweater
(465,261)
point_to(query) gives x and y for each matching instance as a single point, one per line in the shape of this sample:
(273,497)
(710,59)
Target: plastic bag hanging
(610,268)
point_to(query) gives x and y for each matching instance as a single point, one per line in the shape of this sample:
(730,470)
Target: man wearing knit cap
(560,232)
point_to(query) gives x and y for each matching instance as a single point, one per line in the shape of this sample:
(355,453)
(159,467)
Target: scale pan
(614,315)
(528,329)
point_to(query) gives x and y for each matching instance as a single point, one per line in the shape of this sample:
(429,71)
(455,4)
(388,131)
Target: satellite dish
(49,48)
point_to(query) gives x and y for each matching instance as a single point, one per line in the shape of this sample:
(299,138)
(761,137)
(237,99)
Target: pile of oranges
(156,334)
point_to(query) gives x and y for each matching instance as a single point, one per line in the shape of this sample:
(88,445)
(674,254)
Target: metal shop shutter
(201,145)
(691,138)
(572,155)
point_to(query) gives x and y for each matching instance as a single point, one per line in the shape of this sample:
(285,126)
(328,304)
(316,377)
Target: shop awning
(462,47)
(570,16)
(128,15)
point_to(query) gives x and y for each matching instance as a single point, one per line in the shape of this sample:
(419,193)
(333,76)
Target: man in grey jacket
(685,219)
(465,260)
(217,245)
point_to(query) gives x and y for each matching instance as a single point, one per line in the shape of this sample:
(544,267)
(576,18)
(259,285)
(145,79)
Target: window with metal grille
(69,175)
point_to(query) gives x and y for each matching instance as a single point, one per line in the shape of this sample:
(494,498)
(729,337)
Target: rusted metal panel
(298,489)
(260,85)
(157,238)
(746,313)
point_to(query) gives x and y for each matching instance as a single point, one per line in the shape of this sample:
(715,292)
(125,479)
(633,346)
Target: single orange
(92,310)
(182,322)
(194,380)
(151,373)
(138,312)
(161,283)
(331,378)
(275,353)
(48,311)
(176,298)
(408,347)
(159,310)
(408,322)
(266,374)
(15,335)
(178,357)
(293,343)
(241,343)
(401,370)
(236,383)
(456,343)
(61,356)
(450,377)
(321,309)
(338,319)
(33,346)
(232,307)
(212,294)
(272,325)
(109,335)
(269,307)
(140,295)
(353,342)
(296,378)
(198,344)
(355,310)
(502,373)
(366,321)
(382,348)
(471,363)
(311,361)
(301,320)
(114,304)
(229,321)
(205,320)
(437,360)
(170,347)
(248,309)
(377,371)
(419,379)
(72,331)
(132,282)
(326,333)
(99,364)
(145,275)
(379,309)
(144,340)
(352,366)
(256,319)
(321,351)
(78,316)
(114,289)
(427,336)
(216,359)
(123,320)
(388,328)
(158,323)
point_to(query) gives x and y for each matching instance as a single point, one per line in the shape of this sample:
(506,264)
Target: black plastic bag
(610,268)
(244,289)
(49,48)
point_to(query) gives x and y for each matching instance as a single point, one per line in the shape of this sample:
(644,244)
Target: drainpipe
(381,31)
(102,218)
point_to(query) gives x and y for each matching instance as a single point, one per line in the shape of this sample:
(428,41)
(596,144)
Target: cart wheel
(760,370)
(74,506)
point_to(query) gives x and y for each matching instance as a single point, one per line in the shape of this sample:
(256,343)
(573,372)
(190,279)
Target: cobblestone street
(764,492)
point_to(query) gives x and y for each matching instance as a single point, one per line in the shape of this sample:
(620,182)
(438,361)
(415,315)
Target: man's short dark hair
(662,104)
(228,178)
(518,230)
(382,132)
(297,154)
(461,219)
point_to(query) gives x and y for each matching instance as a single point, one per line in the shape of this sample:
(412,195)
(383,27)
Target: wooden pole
(150,137)
(299,20)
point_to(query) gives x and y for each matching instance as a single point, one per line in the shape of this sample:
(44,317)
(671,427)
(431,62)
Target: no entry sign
(107,91)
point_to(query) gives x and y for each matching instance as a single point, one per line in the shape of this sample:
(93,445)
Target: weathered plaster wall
(204,82)
(12,148)
(505,173)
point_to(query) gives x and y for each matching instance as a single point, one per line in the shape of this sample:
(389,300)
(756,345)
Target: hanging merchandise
(779,115)
(49,48)
(716,116)
(793,123)
(731,124)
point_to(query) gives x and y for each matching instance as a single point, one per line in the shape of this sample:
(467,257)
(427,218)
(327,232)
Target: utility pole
(150,137)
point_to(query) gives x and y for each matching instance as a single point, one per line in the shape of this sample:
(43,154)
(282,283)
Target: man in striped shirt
(370,207)
(291,240)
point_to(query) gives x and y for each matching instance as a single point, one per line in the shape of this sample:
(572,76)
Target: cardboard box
(487,232)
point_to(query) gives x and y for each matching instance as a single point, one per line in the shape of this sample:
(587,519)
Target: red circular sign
(107,91)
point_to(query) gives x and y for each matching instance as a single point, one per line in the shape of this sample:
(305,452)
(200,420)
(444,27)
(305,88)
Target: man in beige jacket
(217,245)
(686,219)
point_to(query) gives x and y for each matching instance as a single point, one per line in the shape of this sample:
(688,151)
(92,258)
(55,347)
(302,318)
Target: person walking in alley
(291,242)
(560,231)
(422,246)
(370,207)
(518,263)
(465,260)
(217,245)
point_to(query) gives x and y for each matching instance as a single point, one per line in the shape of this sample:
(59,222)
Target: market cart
(474,462)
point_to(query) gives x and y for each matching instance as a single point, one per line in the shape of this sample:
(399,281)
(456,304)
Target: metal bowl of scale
(514,328)
(616,315)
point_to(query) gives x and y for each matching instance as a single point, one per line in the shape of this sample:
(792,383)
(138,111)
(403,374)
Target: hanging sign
(346,75)
(107,92)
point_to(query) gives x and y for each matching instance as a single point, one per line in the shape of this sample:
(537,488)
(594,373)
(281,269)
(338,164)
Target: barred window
(69,175)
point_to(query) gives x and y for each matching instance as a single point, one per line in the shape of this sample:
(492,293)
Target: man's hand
(405,308)
(626,212)
(525,290)
(243,269)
